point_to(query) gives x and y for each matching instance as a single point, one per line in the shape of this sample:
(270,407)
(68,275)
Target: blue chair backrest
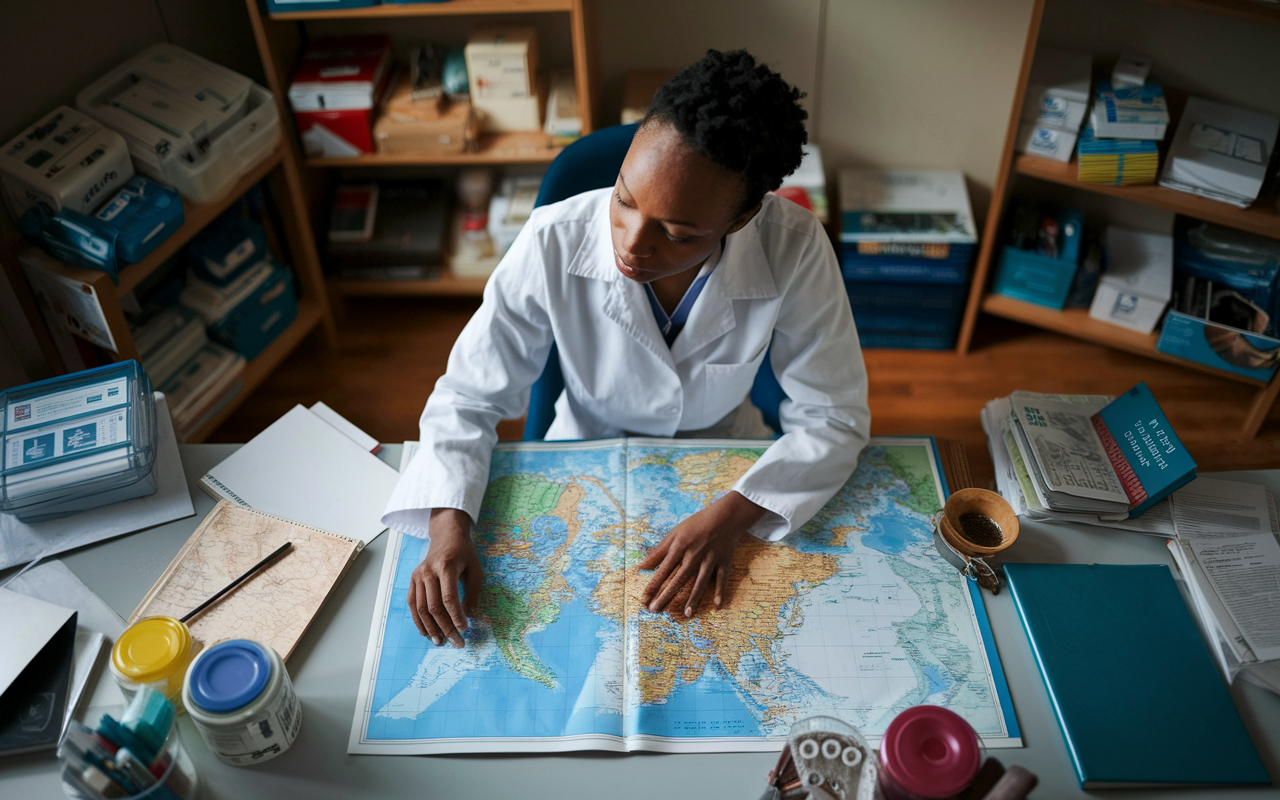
(593,162)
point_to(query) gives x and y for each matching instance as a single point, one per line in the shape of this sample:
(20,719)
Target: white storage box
(1046,142)
(1138,283)
(502,63)
(1058,88)
(1222,150)
(206,158)
(66,160)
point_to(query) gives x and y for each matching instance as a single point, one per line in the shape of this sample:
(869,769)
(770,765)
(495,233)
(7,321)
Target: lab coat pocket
(727,385)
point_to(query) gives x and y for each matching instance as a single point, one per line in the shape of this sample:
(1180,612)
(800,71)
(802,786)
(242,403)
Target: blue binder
(1136,693)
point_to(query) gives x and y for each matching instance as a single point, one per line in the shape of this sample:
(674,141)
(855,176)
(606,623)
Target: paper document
(1066,448)
(1245,573)
(305,470)
(97,627)
(1208,508)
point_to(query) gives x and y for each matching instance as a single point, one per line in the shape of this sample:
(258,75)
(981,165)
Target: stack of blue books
(907,239)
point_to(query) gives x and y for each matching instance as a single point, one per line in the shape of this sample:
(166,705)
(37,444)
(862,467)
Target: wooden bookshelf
(530,147)
(310,315)
(439,9)
(1261,218)
(447,285)
(281,40)
(196,217)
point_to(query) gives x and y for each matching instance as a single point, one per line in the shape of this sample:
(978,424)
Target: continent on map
(513,528)
(671,650)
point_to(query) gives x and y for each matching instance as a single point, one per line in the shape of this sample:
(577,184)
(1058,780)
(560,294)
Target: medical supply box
(1138,282)
(66,160)
(502,67)
(125,229)
(78,441)
(226,248)
(249,313)
(335,92)
(188,122)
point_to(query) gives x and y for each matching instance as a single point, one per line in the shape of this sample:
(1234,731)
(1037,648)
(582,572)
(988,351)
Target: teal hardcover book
(1146,454)
(1133,686)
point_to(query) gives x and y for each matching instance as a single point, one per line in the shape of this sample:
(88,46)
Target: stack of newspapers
(1051,463)
(1227,547)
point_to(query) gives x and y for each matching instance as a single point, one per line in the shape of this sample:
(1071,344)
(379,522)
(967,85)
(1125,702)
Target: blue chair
(593,162)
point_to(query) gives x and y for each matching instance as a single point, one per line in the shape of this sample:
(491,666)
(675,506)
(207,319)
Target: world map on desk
(856,615)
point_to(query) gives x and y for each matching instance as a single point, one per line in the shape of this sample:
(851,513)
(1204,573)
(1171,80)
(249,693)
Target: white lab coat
(778,283)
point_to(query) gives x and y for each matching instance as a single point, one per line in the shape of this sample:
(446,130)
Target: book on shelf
(1087,458)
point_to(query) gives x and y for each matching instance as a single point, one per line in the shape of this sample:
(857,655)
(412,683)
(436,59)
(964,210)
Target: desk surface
(326,668)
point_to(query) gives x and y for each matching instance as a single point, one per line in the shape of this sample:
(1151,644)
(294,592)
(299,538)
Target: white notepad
(303,469)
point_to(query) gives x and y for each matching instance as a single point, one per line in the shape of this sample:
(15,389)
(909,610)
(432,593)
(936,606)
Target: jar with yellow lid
(155,652)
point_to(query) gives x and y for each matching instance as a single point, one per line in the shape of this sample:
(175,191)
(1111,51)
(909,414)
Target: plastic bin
(200,177)
(1040,279)
(77,441)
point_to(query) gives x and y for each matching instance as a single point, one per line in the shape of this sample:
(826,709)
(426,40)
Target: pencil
(279,551)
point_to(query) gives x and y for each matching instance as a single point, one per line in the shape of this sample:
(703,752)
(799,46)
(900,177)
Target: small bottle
(928,753)
(242,702)
(155,652)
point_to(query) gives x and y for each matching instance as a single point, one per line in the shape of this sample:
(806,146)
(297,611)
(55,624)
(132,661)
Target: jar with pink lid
(928,753)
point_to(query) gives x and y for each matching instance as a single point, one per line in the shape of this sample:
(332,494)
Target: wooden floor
(393,350)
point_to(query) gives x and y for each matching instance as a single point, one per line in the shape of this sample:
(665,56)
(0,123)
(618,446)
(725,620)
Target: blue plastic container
(1219,346)
(77,441)
(285,6)
(1034,278)
(256,322)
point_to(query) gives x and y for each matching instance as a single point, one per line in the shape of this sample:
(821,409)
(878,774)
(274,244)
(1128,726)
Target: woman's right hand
(433,588)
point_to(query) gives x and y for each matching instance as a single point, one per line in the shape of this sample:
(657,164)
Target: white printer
(188,122)
(64,160)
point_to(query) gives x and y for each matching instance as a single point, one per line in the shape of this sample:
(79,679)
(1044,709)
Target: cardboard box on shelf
(1138,283)
(502,63)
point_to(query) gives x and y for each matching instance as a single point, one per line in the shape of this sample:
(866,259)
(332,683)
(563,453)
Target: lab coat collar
(743,274)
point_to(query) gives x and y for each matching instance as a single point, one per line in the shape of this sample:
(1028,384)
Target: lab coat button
(670,411)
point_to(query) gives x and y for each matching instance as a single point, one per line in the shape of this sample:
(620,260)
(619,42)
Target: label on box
(1234,145)
(62,405)
(84,435)
(502,76)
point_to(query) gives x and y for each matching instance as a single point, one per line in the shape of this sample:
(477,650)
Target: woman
(664,294)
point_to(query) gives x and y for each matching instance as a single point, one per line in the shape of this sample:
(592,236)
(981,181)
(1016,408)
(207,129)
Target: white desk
(326,669)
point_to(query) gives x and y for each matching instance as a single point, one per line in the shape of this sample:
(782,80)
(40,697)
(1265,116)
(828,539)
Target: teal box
(1219,346)
(259,319)
(1044,280)
(1034,278)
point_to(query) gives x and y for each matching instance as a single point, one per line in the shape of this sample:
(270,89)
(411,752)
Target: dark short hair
(740,114)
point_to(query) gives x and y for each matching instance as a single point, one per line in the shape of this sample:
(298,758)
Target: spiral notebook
(277,604)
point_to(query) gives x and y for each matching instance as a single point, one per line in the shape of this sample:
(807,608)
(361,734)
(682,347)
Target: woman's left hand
(699,549)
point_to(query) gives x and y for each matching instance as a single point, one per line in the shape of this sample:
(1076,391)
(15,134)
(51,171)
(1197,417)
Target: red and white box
(336,91)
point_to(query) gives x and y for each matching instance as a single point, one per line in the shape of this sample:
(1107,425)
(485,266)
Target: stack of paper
(306,470)
(1220,152)
(1228,550)
(203,387)
(1082,458)
(1117,162)
(1056,101)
